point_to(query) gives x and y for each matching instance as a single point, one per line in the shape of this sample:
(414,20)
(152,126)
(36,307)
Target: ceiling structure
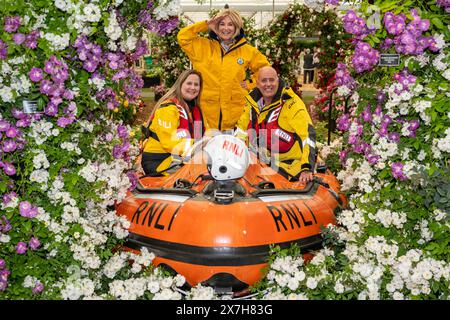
(262,11)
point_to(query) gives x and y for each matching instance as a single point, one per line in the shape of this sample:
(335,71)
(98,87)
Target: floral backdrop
(314,19)
(64,164)
(172,59)
(393,241)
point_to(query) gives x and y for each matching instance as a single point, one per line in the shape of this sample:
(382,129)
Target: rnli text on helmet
(232,147)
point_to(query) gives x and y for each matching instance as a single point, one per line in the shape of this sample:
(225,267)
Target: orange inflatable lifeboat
(219,232)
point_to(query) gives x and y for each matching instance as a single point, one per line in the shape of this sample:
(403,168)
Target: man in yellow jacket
(223,60)
(278,127)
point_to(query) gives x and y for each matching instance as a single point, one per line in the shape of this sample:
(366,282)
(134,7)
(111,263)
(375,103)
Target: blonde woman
(174,125)
(223,58)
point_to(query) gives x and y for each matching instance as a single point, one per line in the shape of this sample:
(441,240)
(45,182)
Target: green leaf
(383,174)
(437,22)
(435,286)
(3,186)
(441,191)
(413,65)
(27,226)
(387,5)
(412,215)
(433,115)
(41,103)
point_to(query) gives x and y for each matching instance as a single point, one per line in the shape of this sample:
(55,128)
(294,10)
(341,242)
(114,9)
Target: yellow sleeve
(191,43)
(302,124)
(165,124)
(242,124)
(258,61)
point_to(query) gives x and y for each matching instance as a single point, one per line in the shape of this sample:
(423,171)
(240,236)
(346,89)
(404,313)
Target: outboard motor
(228,160)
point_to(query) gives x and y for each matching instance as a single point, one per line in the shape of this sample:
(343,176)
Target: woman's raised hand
(213,22)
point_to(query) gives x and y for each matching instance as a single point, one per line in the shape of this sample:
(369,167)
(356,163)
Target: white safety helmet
(228,157)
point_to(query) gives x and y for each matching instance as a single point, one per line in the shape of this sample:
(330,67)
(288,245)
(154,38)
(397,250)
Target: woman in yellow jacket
(174,124)
(223,60)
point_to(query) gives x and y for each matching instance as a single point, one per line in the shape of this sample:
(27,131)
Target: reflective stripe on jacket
(288,136)
(222,98)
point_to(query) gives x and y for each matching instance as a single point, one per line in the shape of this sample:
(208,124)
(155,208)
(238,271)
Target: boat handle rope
(335,195)
(262,185)
(183,183)
(320,181)
(307,189)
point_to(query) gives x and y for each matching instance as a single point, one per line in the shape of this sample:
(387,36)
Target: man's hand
(305,176)
(244,85)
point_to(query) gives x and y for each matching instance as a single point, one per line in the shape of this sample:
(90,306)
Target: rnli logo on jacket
(183,112)
(240,61)
(274,115)
(165,124)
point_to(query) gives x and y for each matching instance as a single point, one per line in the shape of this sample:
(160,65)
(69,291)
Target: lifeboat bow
(216,230)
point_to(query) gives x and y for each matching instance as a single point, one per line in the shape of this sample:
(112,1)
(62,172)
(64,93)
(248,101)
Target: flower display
(343,77)
(161,19)
(390,241)
(171,58)
(365,57)
(277,41)
(355,25)
(68,93)
(68,90)
(444,4)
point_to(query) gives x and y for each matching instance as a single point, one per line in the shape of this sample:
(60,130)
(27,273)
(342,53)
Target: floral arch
(280,40)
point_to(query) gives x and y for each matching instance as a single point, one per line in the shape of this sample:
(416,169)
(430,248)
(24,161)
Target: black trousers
(151,161)
(308,74)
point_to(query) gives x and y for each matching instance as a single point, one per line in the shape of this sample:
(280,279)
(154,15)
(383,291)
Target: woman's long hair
(175,90)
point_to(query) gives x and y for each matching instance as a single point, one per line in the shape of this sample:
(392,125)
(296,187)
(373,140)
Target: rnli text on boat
(292,213)
(156,209)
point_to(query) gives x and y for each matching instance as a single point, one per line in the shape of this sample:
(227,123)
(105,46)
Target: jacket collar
(255,94)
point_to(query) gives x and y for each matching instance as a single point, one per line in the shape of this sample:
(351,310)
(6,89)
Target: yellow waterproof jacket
(170,132)
(287,121)
(222,99)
